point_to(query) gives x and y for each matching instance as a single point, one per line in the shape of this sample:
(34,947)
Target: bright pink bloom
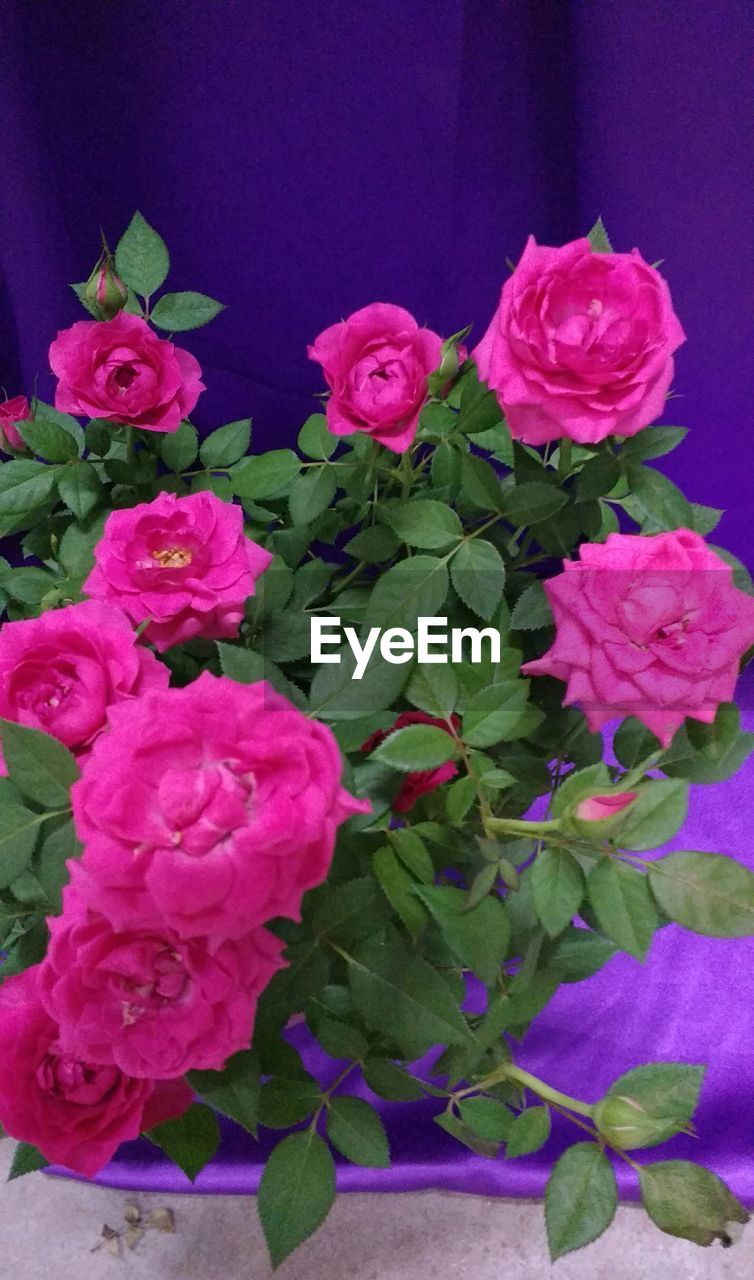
(120,370)
(212,808)
(651,627)
(183,562)
(599,808)
(62,671)
(146,1001)
(376,364)
(75,1112)
(417,784)
(581,345)
(11,412)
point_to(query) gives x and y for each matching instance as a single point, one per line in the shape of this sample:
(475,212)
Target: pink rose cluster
(204,813)
(652,627)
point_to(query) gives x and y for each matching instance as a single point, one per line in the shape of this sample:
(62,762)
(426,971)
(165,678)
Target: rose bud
(105,290)
(599,815)
(626,1125)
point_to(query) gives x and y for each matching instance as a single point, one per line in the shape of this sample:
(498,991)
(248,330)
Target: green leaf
(494,714)
(424,523)
(532,609)
(311,494)
(688,1201)
(180,311)
(398,887)
(296,1192)
(389,1081)
(339,1040)
(487,1118)
(190,1140)
(478,575)
(480,410)
(226,445)
(655,817)
(709,753)
(529,1131)
(396,988)
(417,747)
(450,1122)
(580,1200)
(50,863)
(26,1159)
(80,488)
(649,1104)
(558,886)
(597,477)
(178,449)
(141,258)
(48,439)
(598,238)
(358,1132)
(25,485)
(373,544)
(412,852)
(705,519)
(479,937)
(459,799)
(708,893)
(335,695)
(48,415)
(413,588)
(40,766)
(579,954)
(266,475)
(434,689)
(27,584)
(581,782)
(234,1091)
(481,483)
(623,905)
(314,438)
(654,442)
(661,504)
(528,504)
(284,1102)
(19,829)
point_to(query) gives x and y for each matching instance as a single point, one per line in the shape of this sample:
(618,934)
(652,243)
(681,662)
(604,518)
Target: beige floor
(49,1227)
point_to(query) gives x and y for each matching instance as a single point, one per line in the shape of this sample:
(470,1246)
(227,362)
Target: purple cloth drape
(303,160)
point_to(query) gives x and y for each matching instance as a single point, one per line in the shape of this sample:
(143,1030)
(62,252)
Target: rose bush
(581,345)
(405,857)
(120,371)
(181,565)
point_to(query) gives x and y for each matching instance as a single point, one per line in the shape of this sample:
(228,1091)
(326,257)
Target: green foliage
(296,1192)
(707,892)
(141,258)
(26,1159)
(648,1105)
(580,1200)
(358,1132)
(190,1140)
(686,1200)
(189,310)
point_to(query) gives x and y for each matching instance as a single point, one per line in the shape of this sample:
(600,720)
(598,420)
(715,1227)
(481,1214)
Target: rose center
(124,377)
(172,557)
(165,981)
(70,1080)
(672,634)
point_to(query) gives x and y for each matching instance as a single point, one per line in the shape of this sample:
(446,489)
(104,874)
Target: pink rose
(119,369)
(146,1001)
(11,412)
(185,563)
(651,627)
(600,808)
(62,671)
(75,1112)
(581,345)
(421,783)
(376,363)
(212,808)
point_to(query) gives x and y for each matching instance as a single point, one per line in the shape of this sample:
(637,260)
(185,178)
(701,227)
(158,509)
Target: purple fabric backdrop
(302,160)
(692,1001)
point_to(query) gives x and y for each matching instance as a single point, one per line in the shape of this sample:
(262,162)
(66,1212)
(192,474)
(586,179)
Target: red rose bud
(105,290)
(600,815)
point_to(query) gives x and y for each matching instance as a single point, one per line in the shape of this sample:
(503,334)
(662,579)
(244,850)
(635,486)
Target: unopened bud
(625,1124)
(600,815)
(106,290)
